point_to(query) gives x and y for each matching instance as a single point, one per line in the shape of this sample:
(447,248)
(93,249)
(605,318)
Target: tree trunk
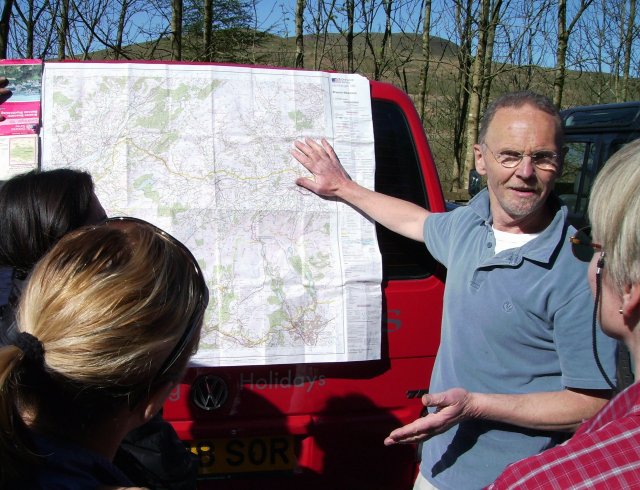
(299,61)
(386,39)
(488,59)
(176,30)
(464,20)
(124,6)
(473,114)
(207,30)
(63,29)
(563,41)
(628,41)
(350,6)
(367,8)
(5,17)
(426,54)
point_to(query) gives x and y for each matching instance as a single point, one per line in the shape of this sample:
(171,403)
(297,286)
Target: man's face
(518,194)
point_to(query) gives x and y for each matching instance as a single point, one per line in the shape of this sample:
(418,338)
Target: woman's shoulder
(66,465)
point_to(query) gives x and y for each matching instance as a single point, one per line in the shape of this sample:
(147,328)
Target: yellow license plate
(247,454)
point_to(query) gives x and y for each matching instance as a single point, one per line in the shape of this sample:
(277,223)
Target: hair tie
(30,345)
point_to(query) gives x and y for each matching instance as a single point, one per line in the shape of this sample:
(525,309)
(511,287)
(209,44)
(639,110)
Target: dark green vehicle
(592,134)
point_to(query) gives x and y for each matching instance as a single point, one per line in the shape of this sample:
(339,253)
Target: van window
(619,142)
(577,176)
(398,174)
(602,117)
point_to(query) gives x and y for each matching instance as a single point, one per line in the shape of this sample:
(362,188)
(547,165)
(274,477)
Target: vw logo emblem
(209,392)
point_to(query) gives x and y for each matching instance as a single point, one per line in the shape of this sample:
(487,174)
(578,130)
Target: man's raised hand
(328,173)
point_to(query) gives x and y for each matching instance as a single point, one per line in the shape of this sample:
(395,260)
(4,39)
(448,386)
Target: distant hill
(402,66)
(275,50)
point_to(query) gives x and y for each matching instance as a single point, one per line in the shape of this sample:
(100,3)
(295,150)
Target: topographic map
(203,152)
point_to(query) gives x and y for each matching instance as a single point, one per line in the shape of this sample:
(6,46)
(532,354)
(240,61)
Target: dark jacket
(152,455)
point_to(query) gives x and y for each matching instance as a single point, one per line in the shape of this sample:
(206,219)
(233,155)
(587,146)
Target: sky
(278,14)
(279,17)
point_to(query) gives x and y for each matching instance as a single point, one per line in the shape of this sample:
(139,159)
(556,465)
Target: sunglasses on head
(203,298)
(582,246)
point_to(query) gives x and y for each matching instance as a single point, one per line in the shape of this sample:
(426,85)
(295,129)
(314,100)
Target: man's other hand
(452,407)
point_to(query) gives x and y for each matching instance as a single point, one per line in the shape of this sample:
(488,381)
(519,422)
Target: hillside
(401,66)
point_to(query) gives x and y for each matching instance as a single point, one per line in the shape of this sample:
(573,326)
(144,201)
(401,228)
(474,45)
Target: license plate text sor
(249,454)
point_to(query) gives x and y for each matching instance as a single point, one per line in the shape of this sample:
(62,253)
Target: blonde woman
(37,209)
(605,451)
(105,327)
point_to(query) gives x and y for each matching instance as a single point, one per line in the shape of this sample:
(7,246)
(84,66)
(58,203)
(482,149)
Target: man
(515,369)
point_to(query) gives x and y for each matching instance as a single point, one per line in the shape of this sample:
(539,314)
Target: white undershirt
(505,240)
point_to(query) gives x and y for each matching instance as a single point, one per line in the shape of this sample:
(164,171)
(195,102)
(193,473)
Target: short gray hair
(516,100)
(614,211)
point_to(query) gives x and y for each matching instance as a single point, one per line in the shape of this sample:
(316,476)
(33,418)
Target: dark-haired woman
(37,209)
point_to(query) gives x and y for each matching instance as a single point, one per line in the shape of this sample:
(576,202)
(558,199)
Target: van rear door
(323,425)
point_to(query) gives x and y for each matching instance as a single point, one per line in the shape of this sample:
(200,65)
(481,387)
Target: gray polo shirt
(514,322)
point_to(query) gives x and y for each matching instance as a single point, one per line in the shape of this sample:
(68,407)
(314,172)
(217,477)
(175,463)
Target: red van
(322,425)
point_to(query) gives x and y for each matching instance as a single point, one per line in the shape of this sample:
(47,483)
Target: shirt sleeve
(573,337)
(437,232)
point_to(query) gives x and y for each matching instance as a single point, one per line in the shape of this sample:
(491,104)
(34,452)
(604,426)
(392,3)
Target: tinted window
(604,117)
(619,142)
(577,176)
(398,174)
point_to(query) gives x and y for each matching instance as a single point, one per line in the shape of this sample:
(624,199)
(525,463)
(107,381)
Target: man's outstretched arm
(331,180)
(556,411)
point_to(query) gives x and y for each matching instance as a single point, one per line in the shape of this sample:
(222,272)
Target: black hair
(37,209)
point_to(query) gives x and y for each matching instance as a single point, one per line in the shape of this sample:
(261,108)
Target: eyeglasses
(582,246)
(203,298)
(543,159)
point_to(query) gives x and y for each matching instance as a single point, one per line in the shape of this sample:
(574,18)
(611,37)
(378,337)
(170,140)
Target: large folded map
(203,152)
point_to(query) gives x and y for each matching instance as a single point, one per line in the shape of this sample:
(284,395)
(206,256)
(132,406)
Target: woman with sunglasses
(105,327)
(37,209)
(605,451)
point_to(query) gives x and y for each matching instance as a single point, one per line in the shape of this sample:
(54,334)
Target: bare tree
(320,15)
(477,78)
(83,30)
(33,28)
(564,32)
(386,39)
(63,29)
(4,27)
(125,12)
(341,52)
(464,14)
(350,11)
(207,30)
(628,42)
(494,20)
(299,61)
(378,53)
(426,54)
(528,48)
(176,29)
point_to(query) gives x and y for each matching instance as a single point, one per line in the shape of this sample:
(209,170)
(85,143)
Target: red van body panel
(323,425)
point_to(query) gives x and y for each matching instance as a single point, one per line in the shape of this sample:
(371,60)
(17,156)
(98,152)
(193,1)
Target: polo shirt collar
(542,248)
